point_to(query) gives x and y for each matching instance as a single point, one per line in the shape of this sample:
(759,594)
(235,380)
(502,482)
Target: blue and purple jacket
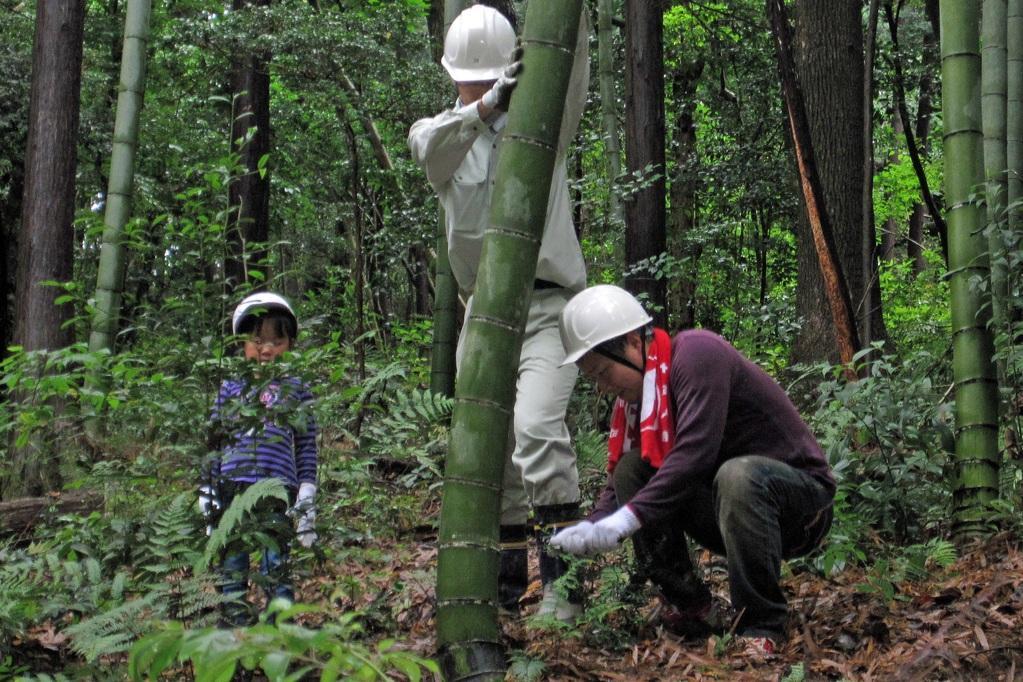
(283,445)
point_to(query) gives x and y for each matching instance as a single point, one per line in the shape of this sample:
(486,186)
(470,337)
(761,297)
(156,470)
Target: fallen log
(23,513)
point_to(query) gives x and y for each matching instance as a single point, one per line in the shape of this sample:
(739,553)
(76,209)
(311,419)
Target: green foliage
(170,543)
(914,562)
(796,674)
(882,435)
(410,427)
(611,618)
(114,630)
(524,668)
(281,649)
(234,515)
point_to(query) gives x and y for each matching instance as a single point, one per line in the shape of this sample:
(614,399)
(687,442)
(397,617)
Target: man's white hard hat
(598,314)
(260,304)
(478,46)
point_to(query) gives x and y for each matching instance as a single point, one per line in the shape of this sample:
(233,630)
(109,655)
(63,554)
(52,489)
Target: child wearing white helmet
(458,149)
(279,441)
(702,443)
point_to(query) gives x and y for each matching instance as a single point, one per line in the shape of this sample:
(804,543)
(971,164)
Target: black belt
(544,284)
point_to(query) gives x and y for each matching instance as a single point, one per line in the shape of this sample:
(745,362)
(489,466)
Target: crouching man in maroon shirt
(703,443)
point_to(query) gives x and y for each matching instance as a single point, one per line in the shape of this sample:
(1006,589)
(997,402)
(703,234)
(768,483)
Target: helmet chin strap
(625,361)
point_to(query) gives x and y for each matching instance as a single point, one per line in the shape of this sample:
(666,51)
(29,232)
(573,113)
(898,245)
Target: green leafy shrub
(281,649)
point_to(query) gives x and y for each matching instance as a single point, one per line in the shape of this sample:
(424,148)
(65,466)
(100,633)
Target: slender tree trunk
(682,291)
(48,208)
(868,235)
(924,110)
(842,138)
(907,127)
(976,390)
(110,274)
(609,105)
(645,236)
(249,194)
(445,301)
(10,212)
(890,238)
(358,232)
(468,635)
(417,265)
(993,116)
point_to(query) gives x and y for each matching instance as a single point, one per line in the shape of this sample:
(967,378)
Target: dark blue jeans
(757,511)
(269,522)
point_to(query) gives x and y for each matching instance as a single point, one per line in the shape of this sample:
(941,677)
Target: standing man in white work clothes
(458,148)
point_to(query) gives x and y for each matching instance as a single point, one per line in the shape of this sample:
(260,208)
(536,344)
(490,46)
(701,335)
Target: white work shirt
(459,153)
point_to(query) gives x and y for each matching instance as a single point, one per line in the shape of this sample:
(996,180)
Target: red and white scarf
(653,426)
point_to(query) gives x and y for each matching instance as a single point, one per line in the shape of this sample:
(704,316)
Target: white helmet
(259,304)
(596,315)
(478,45)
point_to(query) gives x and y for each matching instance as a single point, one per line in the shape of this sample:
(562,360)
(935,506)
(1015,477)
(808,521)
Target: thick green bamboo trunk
(993,112)
(110,275)
(1014,111)
(976,390)
(445,296)
(609,103)
(468,636)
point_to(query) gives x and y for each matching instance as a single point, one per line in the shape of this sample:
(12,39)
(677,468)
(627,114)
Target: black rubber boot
(514,576)
(556,602)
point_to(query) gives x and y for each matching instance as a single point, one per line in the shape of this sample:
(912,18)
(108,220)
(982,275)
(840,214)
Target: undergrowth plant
(280,648)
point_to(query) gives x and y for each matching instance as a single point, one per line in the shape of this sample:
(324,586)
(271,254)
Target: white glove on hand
(499,95)
(572,539)
(208,503)
(611,530)
(305,510)
(602,536)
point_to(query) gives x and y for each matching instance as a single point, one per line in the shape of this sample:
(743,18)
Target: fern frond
(240,505)
(942,552)
(114,630)
(171,541)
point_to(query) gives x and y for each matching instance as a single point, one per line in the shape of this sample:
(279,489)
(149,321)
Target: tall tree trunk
(609,105)
(110,274)
(645,236)
(468,635)
(993,117)
(830,52)
(47,231)
(868,233)
(976,390)
(48,208)
(249,194)
(682,292)
(10,213)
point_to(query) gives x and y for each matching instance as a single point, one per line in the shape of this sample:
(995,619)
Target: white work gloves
(585,538)
(305,512)
(499,95)
(208,504)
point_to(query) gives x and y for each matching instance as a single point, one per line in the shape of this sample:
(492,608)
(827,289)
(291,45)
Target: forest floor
(963,622)
(960,622)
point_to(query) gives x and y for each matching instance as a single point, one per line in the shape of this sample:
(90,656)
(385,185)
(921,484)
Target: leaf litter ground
(964,622)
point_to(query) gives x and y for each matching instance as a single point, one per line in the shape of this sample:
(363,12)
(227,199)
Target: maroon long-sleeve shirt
(725,406)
